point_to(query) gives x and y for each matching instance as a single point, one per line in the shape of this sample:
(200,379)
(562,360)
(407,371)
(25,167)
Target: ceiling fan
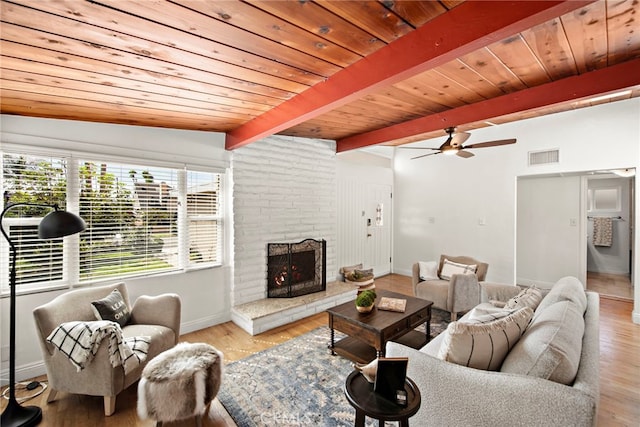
(453,145)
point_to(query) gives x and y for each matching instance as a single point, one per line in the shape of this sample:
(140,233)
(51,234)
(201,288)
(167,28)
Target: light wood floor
(612,285)
(619,369)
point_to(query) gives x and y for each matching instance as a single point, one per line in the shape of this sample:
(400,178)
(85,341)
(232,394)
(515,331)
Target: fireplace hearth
(295,269)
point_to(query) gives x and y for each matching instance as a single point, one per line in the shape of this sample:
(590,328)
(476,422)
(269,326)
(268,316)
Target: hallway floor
(612,285)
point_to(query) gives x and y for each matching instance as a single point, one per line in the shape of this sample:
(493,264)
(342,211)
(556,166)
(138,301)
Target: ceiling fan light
(450,151)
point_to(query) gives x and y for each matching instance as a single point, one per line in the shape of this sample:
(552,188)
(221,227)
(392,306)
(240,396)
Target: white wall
(205,293)
(547,230)
(284,191)
(440,201)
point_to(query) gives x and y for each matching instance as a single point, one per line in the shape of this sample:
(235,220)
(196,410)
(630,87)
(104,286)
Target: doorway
(365,224)
(378,219)
(554,235)
(610,226)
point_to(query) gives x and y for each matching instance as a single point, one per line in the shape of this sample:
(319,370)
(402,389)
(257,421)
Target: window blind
(40,180)
(131,215)
(140,219)
(203,214)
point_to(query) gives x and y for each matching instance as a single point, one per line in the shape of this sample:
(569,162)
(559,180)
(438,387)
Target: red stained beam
(608,79)
(464,29)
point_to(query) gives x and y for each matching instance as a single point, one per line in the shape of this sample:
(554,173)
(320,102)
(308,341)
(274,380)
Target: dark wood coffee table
(367,334)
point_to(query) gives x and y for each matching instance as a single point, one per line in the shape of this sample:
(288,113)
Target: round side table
(368,403)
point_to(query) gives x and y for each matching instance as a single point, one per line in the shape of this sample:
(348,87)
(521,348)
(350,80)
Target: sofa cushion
(566,289)
(551,346)
(529,297)
(113,307)
(484,341)
(450,268)
(428,270)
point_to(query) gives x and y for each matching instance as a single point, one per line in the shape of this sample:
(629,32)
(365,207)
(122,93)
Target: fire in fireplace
(295,269)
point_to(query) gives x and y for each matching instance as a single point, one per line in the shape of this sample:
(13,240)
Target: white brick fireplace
(284,190)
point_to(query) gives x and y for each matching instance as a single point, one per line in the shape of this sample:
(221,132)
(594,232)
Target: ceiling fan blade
(425,155)
(491,143)
(459,138)
(465,154)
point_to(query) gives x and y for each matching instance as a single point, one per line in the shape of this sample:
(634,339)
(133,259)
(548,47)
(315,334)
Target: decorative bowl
(366,309)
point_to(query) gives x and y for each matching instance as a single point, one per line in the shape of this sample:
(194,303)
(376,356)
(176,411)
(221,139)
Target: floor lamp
(55,224)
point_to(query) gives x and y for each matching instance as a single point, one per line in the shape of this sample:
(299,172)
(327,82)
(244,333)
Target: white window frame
(71,255)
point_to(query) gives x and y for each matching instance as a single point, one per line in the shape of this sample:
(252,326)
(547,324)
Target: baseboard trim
(204,322)
(24,372)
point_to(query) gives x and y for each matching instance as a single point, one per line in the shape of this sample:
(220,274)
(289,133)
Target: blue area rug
(295,383)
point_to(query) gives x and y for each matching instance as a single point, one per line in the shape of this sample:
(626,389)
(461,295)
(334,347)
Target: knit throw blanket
(79,341)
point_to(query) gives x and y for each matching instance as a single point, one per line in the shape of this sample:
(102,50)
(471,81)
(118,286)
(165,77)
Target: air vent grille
(544,157)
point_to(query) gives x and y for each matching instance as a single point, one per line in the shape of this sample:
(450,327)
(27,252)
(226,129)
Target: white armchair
(157,317)
(458,294)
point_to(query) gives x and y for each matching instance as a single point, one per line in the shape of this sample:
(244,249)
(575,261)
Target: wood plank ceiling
(359,72)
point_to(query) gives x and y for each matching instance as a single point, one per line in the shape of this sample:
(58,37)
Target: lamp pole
(55,224)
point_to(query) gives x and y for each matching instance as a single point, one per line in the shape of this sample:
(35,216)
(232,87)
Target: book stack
(392,304)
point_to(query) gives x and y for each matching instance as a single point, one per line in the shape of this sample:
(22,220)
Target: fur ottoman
(180,383)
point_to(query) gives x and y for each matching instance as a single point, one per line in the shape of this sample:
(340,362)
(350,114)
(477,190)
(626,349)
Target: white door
(378,228)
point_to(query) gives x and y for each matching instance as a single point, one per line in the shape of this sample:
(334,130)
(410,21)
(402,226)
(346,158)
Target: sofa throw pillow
(428,270)
(450,268)
(551,346)
(484,342)
(529,297)
(485,312)
(112,307)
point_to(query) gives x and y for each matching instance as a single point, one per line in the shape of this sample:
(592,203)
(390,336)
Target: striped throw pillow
(529,297)
(450,268)
(483,342)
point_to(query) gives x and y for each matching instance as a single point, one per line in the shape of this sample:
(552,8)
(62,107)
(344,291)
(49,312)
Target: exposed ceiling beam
(616,77)
(465,28)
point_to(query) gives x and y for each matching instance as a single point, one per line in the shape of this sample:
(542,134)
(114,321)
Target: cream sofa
(453,394)
(157,317)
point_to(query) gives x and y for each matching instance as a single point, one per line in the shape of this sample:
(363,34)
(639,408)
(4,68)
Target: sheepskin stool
(180,383)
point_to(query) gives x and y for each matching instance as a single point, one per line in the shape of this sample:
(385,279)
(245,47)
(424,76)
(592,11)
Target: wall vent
(544,157)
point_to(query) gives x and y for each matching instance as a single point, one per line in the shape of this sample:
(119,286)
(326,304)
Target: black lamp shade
(59,224)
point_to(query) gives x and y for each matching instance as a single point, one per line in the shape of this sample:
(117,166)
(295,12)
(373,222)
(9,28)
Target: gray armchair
(157,317)
(460,293)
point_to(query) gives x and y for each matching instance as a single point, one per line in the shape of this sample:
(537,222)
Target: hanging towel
(602,231)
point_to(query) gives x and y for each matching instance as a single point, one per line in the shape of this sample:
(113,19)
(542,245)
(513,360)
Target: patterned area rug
(295,383)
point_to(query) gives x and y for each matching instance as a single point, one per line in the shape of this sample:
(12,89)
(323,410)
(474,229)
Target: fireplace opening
(295,269)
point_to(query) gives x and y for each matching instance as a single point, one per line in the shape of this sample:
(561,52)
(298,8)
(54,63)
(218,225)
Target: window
(140,219)
(203,213)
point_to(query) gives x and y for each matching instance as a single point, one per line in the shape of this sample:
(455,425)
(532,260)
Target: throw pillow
(450,268)
(112,307)
(529,297)
(482,313)
(484,342)
(428,270)
(551,346)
